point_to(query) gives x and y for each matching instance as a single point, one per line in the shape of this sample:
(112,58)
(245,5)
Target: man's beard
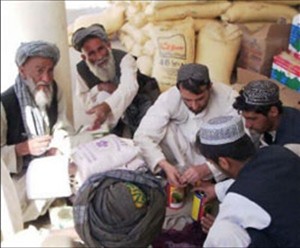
(105,72)
(41,92)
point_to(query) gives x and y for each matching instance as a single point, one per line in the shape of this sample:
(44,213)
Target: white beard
(42,97)
(106,72)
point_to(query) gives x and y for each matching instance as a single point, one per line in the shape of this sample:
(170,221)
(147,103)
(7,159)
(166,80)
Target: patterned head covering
(221,130)
(193,71)
(95,30)
(37,49)
(261,92)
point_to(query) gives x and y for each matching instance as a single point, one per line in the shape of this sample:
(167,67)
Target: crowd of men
(243,148)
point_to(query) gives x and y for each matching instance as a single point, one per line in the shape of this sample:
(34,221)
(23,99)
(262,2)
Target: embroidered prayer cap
(222,130)
(261,92)
(95,30)
(193,71)
(37,48)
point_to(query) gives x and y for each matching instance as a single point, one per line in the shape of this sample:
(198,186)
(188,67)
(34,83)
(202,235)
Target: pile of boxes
(286,65)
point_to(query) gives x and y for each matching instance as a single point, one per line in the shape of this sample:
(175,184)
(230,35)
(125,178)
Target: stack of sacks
(243,12)
(172,10)
(167,38)
(140,21)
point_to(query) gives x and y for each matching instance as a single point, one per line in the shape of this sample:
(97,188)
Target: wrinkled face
(195,102)
(257,122)
(38,69)
(38,74)
(95,51)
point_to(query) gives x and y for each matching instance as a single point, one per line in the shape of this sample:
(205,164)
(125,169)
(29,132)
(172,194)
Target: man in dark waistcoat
(109,83)
(33,118)
(264,114)
(261,207)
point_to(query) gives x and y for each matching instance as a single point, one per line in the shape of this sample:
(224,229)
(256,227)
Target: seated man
(33,118)
(104,70)
(264,114)
(255,211)
(167,132)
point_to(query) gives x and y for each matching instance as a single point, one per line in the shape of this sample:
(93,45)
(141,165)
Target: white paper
(48,177)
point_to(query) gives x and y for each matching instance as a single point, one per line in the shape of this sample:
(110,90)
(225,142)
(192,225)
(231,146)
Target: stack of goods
(286,65)
(163,35)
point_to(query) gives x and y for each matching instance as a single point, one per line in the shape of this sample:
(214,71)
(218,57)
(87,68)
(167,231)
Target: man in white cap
(33,118)
(256,211)
(167,132)
(109,84)
(260,105)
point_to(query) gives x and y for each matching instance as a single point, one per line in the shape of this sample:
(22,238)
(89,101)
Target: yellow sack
(112,18)
(174,46)
(258,12)
(207,10)
(217,47)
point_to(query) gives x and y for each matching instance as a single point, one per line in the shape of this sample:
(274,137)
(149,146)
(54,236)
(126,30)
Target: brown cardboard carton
(288,96)
(259,47)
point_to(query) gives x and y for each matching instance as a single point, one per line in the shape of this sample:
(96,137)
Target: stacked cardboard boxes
(286,65)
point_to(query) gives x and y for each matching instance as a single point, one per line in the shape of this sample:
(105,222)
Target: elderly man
(108,82)
(33,118)
(167,133)
(264,114)
(256,211)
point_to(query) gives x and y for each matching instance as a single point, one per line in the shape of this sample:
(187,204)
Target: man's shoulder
(291,110)
(223,92)
(171,93)
(8,91)
(8,94)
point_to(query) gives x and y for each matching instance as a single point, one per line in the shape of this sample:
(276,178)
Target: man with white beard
(33,119)
(109,83)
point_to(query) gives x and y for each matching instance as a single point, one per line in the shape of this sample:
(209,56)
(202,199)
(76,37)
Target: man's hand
(208,188)
(53,152)
(206,222)
(36,146)
(195,173)
(101,112)
(173,175)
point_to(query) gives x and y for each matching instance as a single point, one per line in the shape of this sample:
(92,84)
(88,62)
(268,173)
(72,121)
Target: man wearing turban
(33,118)
(109,84)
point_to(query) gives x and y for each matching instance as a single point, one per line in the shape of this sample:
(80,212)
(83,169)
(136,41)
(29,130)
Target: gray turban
(95,30)
(261,92)
(37,49)
(222,130)
(193,71)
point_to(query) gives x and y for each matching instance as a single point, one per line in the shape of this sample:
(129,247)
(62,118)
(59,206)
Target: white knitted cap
(221,130)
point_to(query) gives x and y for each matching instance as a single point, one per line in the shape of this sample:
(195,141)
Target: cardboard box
(287,96)
(286,70)
(294,45)
(259,47)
